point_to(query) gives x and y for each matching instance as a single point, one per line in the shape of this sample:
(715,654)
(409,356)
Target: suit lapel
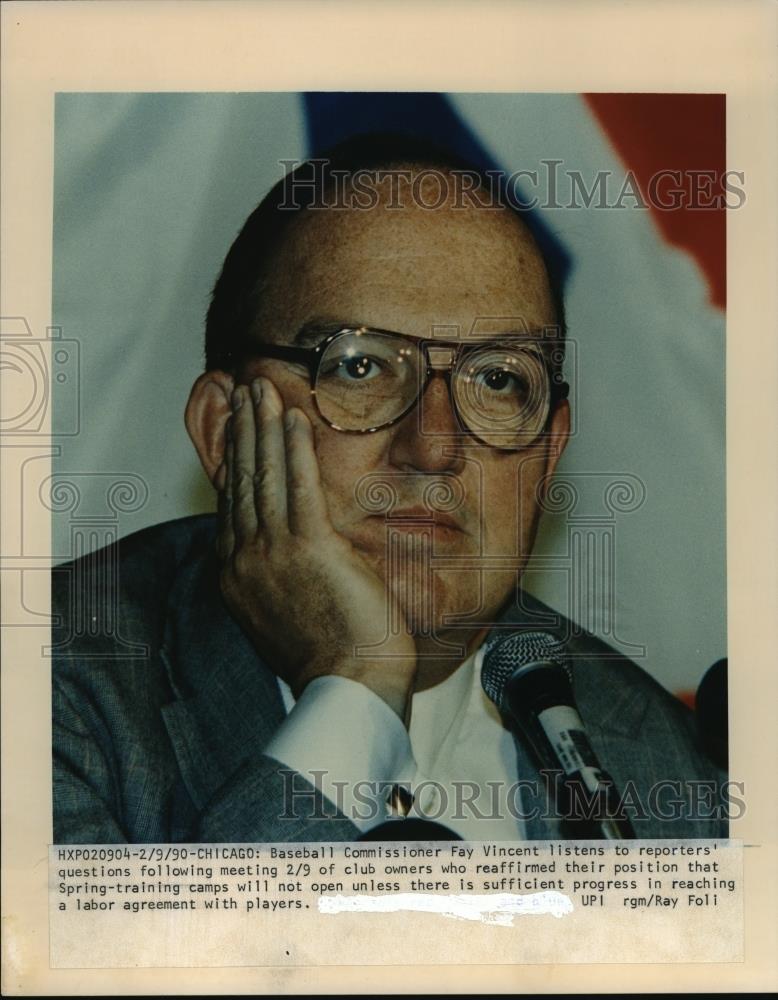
(228,703)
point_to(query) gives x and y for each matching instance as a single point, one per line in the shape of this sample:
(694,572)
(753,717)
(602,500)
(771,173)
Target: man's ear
(207,411)
(559,435)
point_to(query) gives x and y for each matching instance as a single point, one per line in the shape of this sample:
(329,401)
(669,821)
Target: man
(381,413)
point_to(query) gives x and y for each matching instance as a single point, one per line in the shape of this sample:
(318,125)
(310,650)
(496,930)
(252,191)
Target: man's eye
(354,369)
(501,381)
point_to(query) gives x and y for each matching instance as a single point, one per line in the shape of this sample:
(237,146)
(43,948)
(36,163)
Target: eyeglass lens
(367,379)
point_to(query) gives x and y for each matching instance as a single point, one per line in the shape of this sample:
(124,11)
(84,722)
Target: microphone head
(712,714)
(503,657)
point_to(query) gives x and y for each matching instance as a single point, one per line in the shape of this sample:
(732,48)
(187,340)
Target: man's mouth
(443,526)
(423,515)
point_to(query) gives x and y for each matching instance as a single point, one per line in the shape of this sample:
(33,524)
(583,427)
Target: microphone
(525,674)
(710,707)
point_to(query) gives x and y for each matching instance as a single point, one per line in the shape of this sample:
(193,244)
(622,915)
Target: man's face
(454,274)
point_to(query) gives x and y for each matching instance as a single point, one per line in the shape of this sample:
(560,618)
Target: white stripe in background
(150,191)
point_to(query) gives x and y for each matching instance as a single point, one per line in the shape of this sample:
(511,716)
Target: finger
(307,506)
(225,539)
(270,457)
(218,478)
(244,515)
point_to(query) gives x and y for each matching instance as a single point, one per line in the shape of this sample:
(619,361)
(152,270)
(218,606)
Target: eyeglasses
(363,380)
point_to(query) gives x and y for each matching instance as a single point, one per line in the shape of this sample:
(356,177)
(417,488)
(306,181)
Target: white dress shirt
(456,758)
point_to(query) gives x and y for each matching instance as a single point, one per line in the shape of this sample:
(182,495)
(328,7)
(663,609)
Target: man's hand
(305,596)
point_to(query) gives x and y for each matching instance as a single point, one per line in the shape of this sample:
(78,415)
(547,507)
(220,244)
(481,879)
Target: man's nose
(429,438)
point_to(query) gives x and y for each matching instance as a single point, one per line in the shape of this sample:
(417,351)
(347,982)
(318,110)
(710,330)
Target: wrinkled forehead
(452,272)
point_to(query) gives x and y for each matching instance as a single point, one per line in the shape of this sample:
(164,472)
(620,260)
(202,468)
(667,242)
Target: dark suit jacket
(162,708)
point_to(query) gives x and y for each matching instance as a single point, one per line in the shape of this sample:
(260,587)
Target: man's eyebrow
(509,332)
(312,331)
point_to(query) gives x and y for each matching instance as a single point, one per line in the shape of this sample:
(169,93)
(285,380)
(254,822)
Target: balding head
(382,209)
(465,270)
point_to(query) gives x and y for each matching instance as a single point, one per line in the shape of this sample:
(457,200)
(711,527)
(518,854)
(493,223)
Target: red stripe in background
(687,697)
(653,132)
